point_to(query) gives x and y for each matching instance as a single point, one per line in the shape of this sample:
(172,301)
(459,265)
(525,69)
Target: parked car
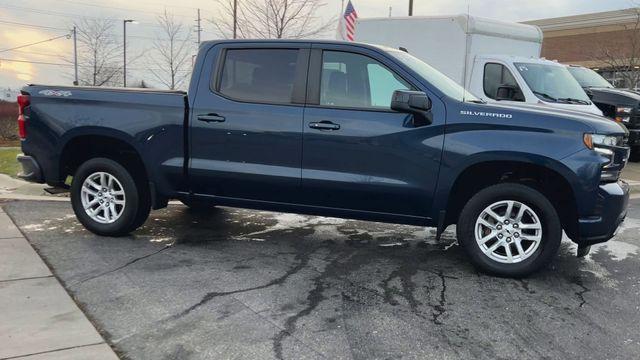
(333,129)
(621,105)
(494,60)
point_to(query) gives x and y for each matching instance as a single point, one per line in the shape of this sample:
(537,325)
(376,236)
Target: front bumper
(613,199)
(31,170)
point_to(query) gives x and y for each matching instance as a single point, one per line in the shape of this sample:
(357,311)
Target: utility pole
(235,19)
(390,9)
(410,7)
(75,56)
(124,53)
(198,28)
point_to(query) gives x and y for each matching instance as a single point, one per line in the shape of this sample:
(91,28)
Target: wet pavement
(259,285)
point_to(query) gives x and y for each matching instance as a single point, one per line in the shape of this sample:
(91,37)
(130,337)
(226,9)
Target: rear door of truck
(246,121)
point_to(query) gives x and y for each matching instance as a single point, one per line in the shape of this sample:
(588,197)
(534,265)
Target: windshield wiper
(545,95)
(579,101)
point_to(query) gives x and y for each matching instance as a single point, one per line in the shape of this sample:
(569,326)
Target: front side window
(496,76)
(259,75)
(357,81)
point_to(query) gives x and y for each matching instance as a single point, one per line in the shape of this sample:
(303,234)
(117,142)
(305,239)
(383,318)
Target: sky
(29,21)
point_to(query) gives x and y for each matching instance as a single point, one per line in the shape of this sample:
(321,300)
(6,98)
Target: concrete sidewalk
(38,319)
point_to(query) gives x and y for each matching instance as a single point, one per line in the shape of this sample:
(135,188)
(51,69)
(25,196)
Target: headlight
(603,145)
(623,114)
(593,140)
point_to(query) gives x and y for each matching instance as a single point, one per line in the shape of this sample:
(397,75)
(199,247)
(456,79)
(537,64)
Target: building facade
(608,42)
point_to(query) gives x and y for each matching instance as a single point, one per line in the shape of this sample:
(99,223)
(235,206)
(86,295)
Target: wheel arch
(548,176)
(84,143)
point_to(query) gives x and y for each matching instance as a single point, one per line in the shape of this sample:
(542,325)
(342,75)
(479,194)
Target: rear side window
(259,75)
(497,75)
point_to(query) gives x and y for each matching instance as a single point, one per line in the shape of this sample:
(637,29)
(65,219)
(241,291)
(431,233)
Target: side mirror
(588,92)
(506,92)
(416,103)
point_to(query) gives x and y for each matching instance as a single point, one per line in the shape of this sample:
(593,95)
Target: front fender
(450,173)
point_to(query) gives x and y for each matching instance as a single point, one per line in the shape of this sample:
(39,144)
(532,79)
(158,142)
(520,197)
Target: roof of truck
(298,41)
(519,59)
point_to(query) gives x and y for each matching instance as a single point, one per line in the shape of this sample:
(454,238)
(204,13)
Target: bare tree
(172,52)
(267,19)
(623,57)
(99,53)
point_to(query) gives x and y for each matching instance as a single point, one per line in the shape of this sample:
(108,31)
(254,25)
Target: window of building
(353,80)
(259,75)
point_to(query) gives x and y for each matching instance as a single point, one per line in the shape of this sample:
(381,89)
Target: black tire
(137,200)
(549,220)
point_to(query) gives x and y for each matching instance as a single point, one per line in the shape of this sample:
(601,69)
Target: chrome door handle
(211,118)
(324,125)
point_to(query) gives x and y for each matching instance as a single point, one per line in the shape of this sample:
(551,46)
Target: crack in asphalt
(577,280)
(404,273)
(121,266)
(314,297)
(439,308)
(303,261)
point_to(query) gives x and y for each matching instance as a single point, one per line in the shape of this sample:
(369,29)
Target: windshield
(434,77)
(588,78)
(552,83)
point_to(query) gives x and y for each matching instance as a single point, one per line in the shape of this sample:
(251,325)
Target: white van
(494,60)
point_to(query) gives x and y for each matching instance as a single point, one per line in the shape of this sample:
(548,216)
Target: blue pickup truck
(333,129)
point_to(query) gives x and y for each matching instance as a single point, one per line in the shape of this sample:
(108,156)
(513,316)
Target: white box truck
(494,60)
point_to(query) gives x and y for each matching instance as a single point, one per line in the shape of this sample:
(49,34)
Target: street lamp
(124,66)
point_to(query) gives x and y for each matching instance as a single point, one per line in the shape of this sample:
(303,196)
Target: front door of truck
(358,153)
(246,124)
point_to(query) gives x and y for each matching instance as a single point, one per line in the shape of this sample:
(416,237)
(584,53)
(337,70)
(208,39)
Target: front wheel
(106,198)
(509,230)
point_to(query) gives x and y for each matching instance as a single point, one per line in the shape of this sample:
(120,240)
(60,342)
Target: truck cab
(495,60)
(516,79)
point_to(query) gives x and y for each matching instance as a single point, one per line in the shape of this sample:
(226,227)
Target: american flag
(350,16)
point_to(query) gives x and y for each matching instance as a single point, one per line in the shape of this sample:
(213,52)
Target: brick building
(608,42)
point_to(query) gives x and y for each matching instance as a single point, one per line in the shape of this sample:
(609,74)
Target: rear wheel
(509,230)
(106,198)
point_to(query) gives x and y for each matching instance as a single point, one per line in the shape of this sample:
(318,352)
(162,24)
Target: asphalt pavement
(258,285)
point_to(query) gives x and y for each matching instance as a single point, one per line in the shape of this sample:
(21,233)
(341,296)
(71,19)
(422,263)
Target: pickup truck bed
(149,122)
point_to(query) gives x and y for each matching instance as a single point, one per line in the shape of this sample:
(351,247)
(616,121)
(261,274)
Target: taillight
(23,102)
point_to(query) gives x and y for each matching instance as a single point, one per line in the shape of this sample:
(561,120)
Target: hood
(631,96)
(594,123)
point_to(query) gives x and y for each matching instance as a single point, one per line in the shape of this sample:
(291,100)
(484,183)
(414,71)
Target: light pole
(410,7)
(75,55)
(235,19)
(124,65)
